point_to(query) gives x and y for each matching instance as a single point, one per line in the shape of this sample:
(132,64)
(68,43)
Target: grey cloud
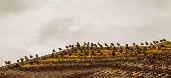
(55,30)
(7,6)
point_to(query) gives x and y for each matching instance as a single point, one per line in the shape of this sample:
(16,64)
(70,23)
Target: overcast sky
(37,26)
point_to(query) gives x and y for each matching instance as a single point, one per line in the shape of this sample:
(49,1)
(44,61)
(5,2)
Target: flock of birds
(150,65)
(96,48)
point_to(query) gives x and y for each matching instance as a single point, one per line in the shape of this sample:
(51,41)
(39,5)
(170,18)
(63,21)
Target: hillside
(90,60)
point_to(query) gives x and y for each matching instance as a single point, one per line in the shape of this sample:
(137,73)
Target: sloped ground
(126,74)
(126,70)
(132,69)
(155,62)
(126,67)
(74,73)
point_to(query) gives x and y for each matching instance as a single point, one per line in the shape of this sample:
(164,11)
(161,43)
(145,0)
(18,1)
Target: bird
(60,48)
(54,50)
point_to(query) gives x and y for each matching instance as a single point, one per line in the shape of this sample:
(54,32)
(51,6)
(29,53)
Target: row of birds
(88,44)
